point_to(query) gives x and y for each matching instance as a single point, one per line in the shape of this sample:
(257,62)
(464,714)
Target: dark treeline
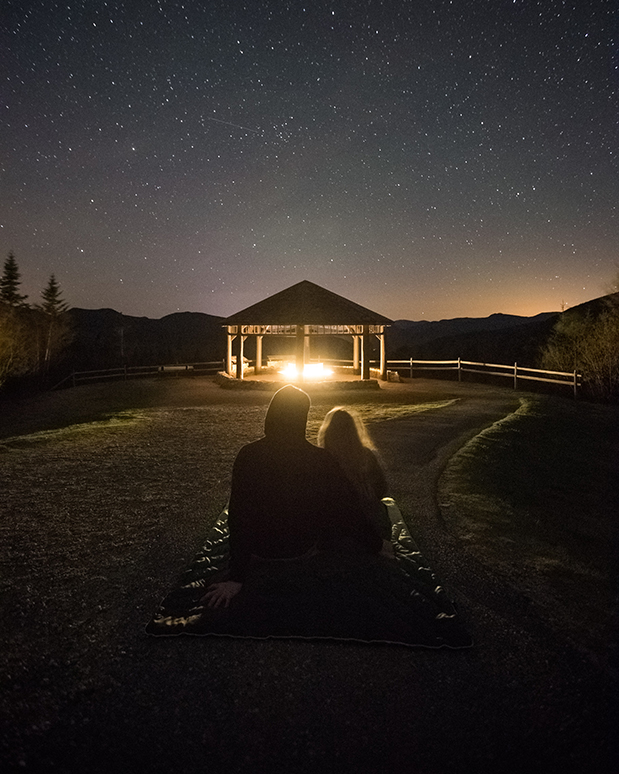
(33,337)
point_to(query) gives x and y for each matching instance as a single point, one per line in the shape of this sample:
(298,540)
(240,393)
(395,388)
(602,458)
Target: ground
(108,491)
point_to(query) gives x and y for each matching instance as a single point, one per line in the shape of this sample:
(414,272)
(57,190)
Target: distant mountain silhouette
(500,338)
(104,338)
(424,331)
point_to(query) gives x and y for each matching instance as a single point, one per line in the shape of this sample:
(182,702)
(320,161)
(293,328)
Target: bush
(588,342)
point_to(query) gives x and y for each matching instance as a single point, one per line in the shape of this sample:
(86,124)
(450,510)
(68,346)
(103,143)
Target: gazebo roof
(308,304)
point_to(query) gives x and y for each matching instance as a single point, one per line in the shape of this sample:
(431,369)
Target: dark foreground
(97,525)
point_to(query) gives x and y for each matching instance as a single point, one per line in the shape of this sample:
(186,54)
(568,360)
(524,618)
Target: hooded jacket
(289,496)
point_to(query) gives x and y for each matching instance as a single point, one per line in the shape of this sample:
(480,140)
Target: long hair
(343,434)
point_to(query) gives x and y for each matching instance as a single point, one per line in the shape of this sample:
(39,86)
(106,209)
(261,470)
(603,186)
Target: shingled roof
(308,304)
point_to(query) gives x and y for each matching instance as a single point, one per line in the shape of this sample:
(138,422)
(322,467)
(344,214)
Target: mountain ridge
(105,338)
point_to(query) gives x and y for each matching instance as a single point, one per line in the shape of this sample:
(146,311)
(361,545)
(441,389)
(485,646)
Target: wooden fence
(133,372)
(517,373)
(410,367)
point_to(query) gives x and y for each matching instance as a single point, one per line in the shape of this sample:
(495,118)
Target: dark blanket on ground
(342,596)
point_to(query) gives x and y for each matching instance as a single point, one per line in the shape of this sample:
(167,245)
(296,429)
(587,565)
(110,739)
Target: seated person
(288,498)
(344,436)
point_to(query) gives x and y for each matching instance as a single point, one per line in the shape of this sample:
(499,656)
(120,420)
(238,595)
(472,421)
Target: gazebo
(306,310)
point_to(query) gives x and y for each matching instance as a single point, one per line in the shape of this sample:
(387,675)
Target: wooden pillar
(239,357)
(300,350)
(306,347)
(355,354)
(383,359)
(258,367)
(365,352)
(229,369)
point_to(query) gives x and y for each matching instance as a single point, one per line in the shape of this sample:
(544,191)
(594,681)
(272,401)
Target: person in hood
(288,498)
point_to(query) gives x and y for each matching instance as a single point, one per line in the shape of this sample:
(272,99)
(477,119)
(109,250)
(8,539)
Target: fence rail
(517,373)
(133,372)
(571,379)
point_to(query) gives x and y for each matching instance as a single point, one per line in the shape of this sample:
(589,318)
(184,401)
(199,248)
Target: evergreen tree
(58,333)
(52,305)
(10,282)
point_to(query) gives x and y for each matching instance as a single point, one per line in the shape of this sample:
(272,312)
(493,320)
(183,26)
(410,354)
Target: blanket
(332,595)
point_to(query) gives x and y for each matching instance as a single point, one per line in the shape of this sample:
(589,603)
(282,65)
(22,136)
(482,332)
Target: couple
(289,499)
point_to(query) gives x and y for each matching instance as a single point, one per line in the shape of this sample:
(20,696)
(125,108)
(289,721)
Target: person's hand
(387,549)
(220,594)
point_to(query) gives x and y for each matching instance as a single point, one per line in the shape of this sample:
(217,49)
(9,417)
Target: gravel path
(98,521)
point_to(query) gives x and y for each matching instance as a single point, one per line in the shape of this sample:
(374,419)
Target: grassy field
(538,494)
(108,491)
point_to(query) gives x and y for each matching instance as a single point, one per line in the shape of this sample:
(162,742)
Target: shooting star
(229,123)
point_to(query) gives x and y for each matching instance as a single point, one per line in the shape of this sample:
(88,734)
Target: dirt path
(101,522)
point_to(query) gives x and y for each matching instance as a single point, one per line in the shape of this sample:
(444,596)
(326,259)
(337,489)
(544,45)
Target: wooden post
(411,368)
(365,352)
(229,370)
(355,354)
(383,359)
(258,366)
(239,357)
(515,376)
(459,370)
(300,350)
(575,385)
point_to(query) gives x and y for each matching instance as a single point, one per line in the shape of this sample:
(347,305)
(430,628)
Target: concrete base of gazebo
(270,382)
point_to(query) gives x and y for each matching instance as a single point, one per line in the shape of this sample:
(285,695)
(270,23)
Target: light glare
(310,371)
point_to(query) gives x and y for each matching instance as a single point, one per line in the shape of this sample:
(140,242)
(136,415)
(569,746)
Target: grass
(108,493)
(539,492)
(369,413)
(118,419)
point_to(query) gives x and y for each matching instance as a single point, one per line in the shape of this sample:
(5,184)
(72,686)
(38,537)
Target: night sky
(426,159)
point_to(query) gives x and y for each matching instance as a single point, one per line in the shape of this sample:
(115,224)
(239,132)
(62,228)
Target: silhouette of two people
(291,500)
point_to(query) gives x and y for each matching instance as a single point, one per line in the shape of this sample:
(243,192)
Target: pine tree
(10,282)
(52,305)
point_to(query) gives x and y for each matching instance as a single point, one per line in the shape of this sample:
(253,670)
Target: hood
(287,414)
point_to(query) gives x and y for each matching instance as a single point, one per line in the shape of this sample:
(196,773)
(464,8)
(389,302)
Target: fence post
(515,376)
(459,370)
(411,368)
(575,385)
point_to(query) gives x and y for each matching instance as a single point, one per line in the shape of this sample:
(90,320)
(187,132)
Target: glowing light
(316,371)
(310,371)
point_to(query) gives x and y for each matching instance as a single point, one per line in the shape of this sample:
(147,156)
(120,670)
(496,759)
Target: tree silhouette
(53,307)
(10,282)
(589,343)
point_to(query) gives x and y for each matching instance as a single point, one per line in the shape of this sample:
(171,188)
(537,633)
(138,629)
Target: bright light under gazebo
(310,371)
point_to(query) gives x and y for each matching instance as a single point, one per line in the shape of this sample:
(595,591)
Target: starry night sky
(426,159)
